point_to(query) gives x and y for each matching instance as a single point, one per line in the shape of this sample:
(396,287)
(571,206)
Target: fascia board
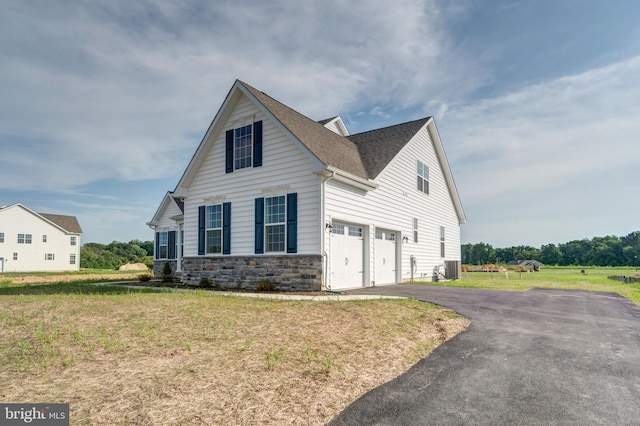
(316,163)
(206,142)
(448,176)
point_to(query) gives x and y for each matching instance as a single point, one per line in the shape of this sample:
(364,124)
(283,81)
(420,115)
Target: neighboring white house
(273,195)
(31,241)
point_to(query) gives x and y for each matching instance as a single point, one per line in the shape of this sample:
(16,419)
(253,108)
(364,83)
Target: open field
(593,278)
(121,356)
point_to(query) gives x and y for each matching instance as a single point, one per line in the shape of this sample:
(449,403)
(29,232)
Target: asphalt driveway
(538,357)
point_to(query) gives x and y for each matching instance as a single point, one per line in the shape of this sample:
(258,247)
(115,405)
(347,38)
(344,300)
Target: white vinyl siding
(284,164)
(396,203)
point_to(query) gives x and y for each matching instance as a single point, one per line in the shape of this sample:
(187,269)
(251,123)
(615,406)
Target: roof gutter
(349,179)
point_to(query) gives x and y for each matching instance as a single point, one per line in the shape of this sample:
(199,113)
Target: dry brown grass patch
(196,359)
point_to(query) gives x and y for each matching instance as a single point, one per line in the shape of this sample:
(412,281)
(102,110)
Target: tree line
(598,251)
(116,254)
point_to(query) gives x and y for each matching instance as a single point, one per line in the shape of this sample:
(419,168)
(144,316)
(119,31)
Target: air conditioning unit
(452,269)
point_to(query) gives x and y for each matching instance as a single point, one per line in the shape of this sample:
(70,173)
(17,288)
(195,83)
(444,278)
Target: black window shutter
(171,241)
(201,214)
(292,223)
(259,228)
(257,144)
(226,228)
(157,245)
(229,151)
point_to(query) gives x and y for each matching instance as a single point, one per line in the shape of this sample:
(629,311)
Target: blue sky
(103,103)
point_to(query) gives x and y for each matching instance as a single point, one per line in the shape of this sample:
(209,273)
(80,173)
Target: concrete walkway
(540,357)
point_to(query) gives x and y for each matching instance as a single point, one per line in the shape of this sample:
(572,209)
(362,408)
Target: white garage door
(385,254)
(347,259)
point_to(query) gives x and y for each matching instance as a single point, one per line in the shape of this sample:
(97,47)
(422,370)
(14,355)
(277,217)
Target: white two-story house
(273,195)
(31,241)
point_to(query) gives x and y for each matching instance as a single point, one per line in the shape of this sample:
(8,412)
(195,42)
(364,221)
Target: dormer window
(244,147)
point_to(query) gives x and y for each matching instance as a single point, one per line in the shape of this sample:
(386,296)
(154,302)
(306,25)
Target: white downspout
(323,229)
(179,248)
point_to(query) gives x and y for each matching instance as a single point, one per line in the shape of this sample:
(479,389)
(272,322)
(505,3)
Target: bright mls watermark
(34,414)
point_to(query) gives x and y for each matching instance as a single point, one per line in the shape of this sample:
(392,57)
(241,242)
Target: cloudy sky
(103,103)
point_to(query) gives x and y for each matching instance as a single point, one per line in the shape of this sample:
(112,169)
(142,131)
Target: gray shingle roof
(68,223)
(329,147)
(378,147)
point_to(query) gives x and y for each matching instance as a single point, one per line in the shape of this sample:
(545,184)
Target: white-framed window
(386,235)
(74,240)
(213,227)
(49,256)
(44,238)
(423,177)
(15,256)
(442,250)
(72,259)
(275,223)
(25,238)
(243,147)
(1,237)
(338,228)
(415,229)
(355,231)
(163,245)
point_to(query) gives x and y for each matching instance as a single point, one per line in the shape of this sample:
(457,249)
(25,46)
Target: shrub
(167,273)
(144,277)
(205,282)
(265,285)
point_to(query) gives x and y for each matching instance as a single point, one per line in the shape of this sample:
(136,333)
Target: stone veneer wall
(158,265)
(287,272)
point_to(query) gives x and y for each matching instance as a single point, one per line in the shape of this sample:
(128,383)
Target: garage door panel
(385,256)
(347,259)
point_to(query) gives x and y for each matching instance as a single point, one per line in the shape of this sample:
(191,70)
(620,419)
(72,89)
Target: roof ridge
(393,125)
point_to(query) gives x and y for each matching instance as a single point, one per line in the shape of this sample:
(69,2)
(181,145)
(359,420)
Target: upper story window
(74,240)
(244,147)
(44,238)
(423,177)
(24,238)
(1,237)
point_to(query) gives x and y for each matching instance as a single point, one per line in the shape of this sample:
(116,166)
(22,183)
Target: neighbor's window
(415,230)
(163,245)
(275,223)
(15,256)
(44,238)
(442,241)
(243,147)
(24,238)
(74,240)
(213,224)
(1,237)
(49,256)
(72,259)
(423,177)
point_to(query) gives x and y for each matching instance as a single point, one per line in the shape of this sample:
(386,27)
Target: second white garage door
(385,254)
(347,259)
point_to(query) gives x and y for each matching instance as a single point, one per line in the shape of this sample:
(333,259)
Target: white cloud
(559,155)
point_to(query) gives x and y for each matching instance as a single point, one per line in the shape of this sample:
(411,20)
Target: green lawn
(593,278)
